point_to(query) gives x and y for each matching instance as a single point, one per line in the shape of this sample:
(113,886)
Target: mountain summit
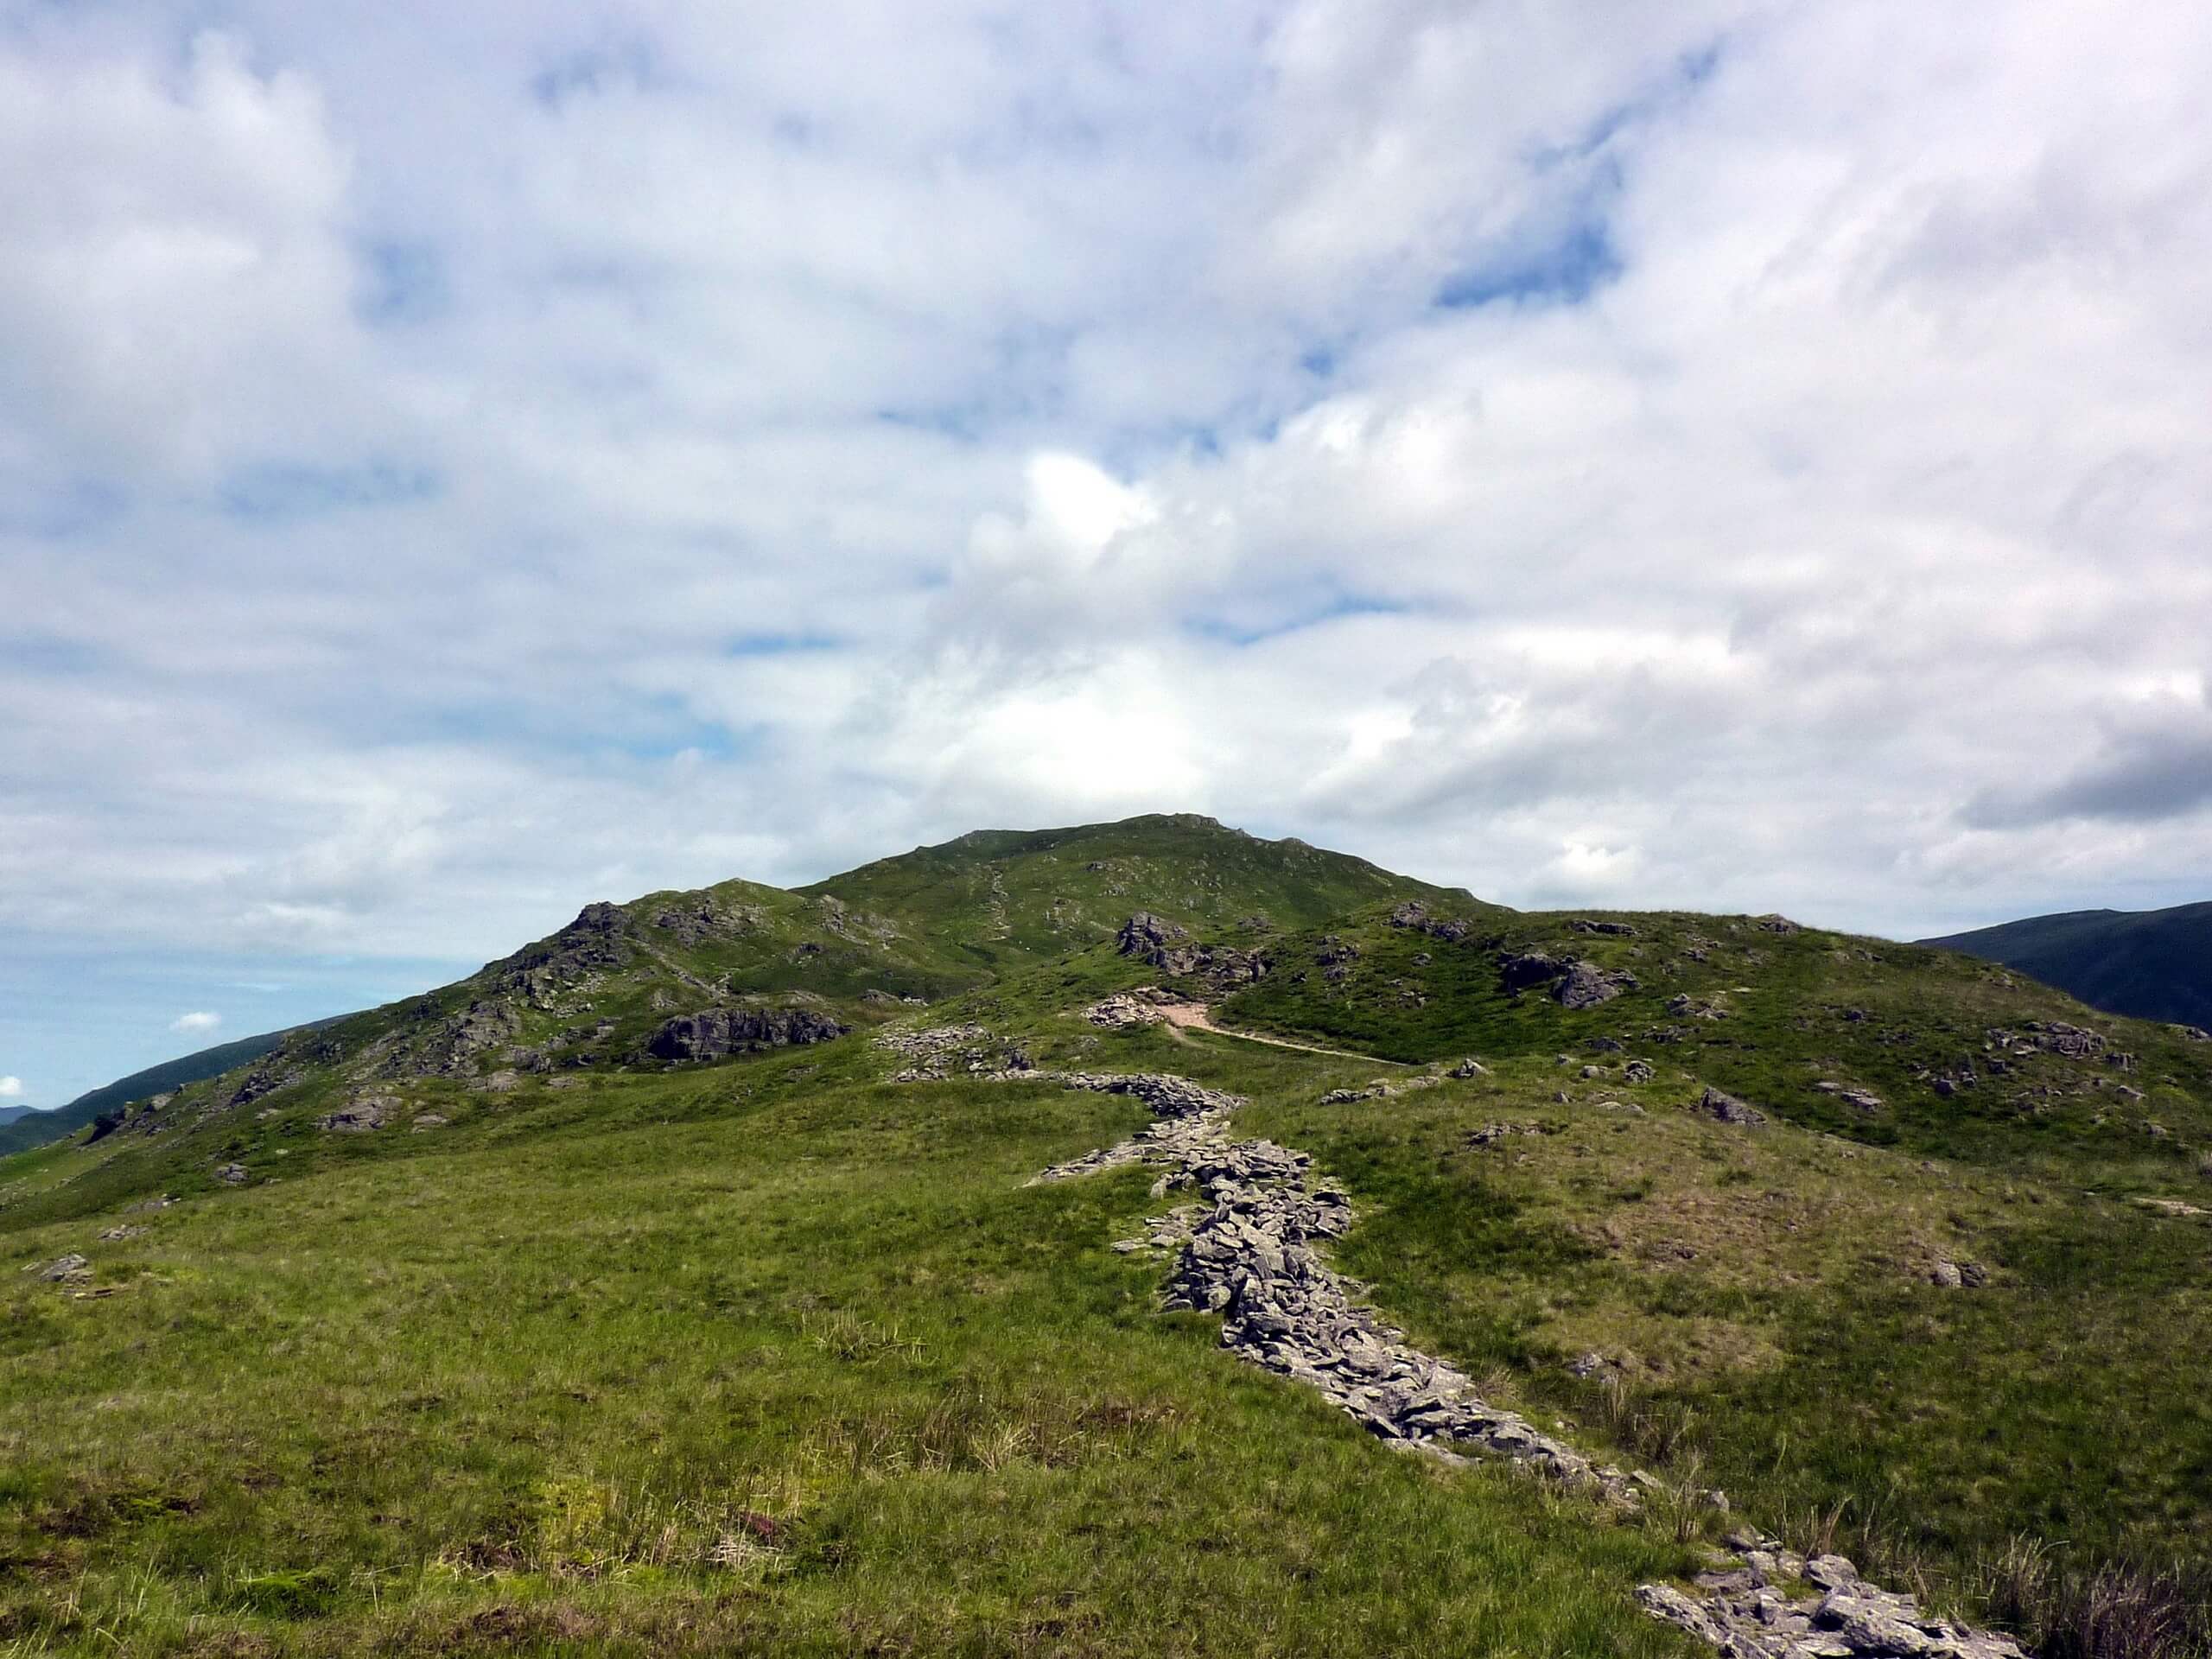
(1032,1243)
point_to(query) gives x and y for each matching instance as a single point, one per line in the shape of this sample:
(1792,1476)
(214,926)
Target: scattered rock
(1144,934)
(71,1269)
(1777,924)
(1958,1275)
(1717,1104)
(1155,940)
(1490,1134)
(427,1120)
(231,1174)
(114,1235)
(2051,1037)
(1123,1010)
(1345,1096)
(1617,930)
(1517,972)
(717,1033)
(1638,1071)
(1585,985)
(1415,916)
(1470,1067)
(1746,1615)
(362,1114)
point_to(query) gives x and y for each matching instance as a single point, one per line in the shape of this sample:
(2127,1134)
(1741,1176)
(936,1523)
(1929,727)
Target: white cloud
(11,1088)
(195,1024)
(657,449)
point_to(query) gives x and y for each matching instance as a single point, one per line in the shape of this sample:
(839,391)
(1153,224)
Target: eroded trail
(1243,1247)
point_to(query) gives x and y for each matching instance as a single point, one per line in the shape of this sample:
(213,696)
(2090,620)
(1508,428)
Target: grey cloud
(2143,776)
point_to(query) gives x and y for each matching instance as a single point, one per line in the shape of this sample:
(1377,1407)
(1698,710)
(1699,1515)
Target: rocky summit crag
(1038,1243)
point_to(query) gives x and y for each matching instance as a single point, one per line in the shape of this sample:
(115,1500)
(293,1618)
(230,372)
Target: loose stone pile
(1248,1258)
(1246,1252)
(1746,1615)
(944,1051)
(1123,1010)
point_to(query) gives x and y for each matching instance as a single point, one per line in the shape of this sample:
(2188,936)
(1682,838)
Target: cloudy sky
(459,461)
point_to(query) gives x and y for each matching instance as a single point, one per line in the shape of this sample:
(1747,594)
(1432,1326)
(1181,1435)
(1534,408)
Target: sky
(457,462)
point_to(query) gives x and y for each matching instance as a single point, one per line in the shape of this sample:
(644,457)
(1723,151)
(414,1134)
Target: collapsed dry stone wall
(1245,1249)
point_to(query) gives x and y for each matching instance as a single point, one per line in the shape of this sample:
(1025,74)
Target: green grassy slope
(1773,1016)
(771,1358)
(855,950)
(2153,964)
(998,897)
(43,1127)
(775,1355)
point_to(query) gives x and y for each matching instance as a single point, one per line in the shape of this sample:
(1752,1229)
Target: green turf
(776,1356)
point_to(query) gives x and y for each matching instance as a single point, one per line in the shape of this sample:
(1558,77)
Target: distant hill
(22,1128)
(2151,965)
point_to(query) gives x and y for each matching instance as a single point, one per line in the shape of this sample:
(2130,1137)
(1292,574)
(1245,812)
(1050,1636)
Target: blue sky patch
(1263,622)
(284,491)
(403,282)
(1565,271)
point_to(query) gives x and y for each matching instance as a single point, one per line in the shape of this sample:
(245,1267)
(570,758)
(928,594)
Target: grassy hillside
(18,1134)
(2154,964)
(998,897)
(775,968)
(776,1354)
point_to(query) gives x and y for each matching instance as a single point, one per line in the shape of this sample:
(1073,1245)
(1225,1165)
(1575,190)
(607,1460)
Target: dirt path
(1192,1016)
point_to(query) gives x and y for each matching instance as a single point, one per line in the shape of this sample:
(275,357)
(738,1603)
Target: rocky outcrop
(595,943)
(1145,933)
(1746,1615)
(1163,944)
(71,1269)
(1717,1104)
(450,1045)
(718,1033)
(1574,983)
(1413,915)
(360,1115)
(694,920)
(1518,970)
(1585,985)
